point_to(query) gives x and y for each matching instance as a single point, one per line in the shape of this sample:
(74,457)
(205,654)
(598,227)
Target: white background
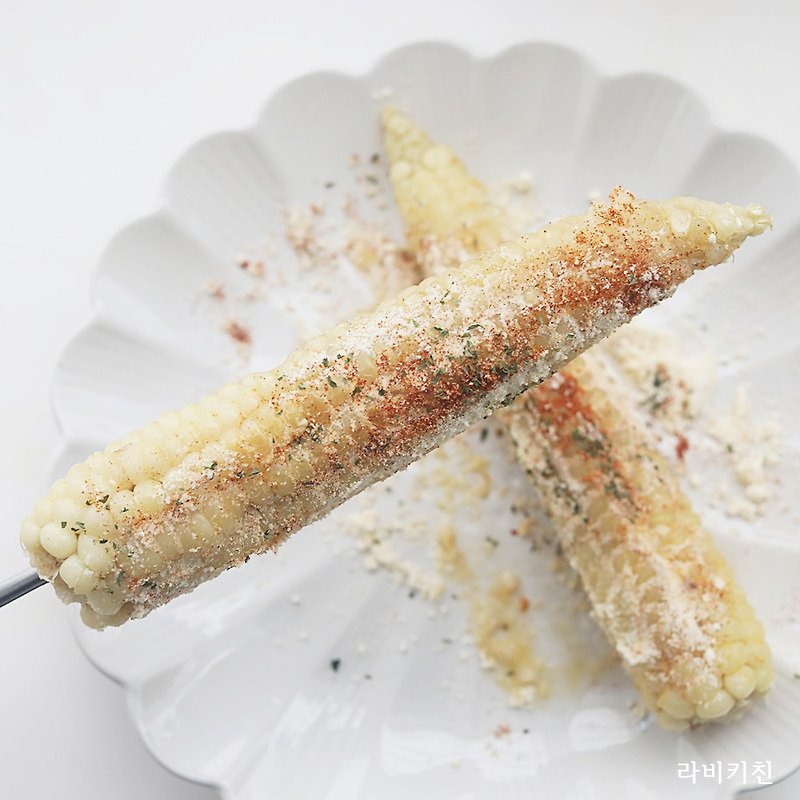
(98,100)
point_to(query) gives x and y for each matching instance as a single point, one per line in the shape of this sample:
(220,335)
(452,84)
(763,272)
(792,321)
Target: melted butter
(499,623)
(506,640)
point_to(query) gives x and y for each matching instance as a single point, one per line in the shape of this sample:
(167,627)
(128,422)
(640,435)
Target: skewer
(13,588)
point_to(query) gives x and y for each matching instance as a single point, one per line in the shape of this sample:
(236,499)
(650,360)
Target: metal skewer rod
(12,588)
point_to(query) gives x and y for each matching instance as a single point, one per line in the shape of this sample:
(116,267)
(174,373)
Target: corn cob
(658,586)
(203,489)
(448,216)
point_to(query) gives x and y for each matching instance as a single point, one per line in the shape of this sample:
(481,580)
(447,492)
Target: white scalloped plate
(233,685)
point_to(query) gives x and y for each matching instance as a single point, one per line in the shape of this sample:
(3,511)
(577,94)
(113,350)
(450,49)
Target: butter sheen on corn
(203,489)
(658,586)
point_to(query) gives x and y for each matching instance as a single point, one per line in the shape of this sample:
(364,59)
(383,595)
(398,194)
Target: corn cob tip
(717,228)
(448,216)
(397,124)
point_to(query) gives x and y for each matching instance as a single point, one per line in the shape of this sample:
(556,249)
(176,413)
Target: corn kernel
(77,575)
(104,476)
(741,683)
(65,509)
(106,600)
(146,563)
(673,704)
(43,510)
(96,554)
(169,544)
(149,497)
(300,470)
(29,535)
(58,540)
(132,458)
(253,436)
(204,531)
(761,654)
(209,428)
(733,655)
(671,723)
(719,705)
(184,533)
(220,513)
(122,506)
(96,520)
(280,479)
(264,383)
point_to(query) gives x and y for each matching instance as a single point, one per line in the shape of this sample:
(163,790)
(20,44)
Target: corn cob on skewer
(659,588)
(201,490)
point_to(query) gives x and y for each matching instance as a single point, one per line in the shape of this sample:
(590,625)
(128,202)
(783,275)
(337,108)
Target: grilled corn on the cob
(201,490)
(658,586)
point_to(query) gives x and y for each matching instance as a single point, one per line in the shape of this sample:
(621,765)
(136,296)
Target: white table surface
(97,101)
